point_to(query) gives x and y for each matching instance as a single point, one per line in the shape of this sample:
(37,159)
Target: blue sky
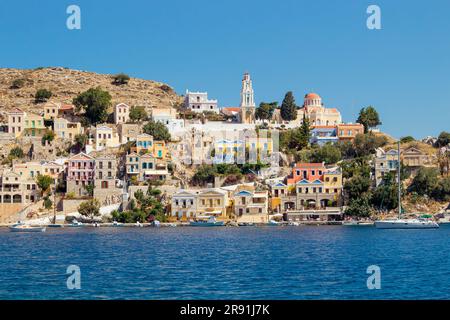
(321,46)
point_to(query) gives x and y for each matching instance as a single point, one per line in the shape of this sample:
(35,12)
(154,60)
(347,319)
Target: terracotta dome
(312,96)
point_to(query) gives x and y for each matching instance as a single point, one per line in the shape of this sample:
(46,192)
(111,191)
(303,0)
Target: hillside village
(78,145)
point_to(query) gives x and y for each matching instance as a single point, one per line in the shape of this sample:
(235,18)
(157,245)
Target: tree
(443,139)
(369,118)
(138,113)
(42,95)
(120,79)
(81,140)
(357,186)
(359,207)
(407,139)
(425,181)
(288,107)
(44,182)
(16,152)
(89,209)
(90,189)
(441,191)
(305,130)
(355,167)
(385,196)
(328,153)
(265,110)
(157,130)
(49,136)
(47,203)
(366,144)
(204,174)
(95,102)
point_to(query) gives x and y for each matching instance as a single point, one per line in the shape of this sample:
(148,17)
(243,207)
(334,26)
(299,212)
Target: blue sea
(307,262)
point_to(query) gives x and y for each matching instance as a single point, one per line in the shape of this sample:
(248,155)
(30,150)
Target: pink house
(80,173)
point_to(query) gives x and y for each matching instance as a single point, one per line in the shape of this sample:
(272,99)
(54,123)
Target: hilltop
(65,84)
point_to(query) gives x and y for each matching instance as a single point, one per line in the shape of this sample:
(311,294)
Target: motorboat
(26,228)
(206,222)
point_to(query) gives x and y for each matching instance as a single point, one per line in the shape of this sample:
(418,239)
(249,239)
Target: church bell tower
(247,100)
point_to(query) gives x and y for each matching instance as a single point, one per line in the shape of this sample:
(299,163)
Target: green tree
(328,153)
(47,203)
(441,191)
(95,102)
(138,113)
(16,152)
(288,107)
(89,209)
(265,110)
(49,136)
(385,196)
(443,139)
(44,182)
(369,118)
(121,79)
(357,186)
(407,139)
(366,144)
(425,181)
(359,207)
(90,189)
(157,130)
(204,174)
(42,95)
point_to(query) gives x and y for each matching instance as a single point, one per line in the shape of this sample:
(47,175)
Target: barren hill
(65,84)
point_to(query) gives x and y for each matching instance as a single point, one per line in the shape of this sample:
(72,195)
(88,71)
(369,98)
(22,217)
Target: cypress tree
(288,107)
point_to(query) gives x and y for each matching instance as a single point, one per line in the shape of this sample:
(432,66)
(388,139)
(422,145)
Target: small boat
(75,224)
(350,223)
(246,224)
(293,223)
(138,224)
(156,223)
(26,228)
(273,223)
(210,222)
(117,224)
(96,225)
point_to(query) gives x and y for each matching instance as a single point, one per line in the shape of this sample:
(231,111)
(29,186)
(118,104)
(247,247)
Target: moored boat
(206,222)
(26,228)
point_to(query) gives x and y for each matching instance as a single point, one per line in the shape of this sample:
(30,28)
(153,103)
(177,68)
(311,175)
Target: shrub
(18,83)
(120,79)
(42,95)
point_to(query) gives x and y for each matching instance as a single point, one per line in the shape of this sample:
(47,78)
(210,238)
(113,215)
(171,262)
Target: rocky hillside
(65,84)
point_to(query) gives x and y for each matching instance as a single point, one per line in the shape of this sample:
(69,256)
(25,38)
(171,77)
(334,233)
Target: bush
(120,79)
(425,181)
(407,139)
(18,83)
(42,95)
(95,102)
(138,113)
(328,153)
(16,152)
(441,191)
(49,136)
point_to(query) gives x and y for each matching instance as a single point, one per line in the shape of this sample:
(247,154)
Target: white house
(199,102)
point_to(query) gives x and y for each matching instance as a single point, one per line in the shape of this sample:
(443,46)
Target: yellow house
(332,182)
(212,202)
(106,137)
(159,149)
(54,110)
(34,125)
(65,129)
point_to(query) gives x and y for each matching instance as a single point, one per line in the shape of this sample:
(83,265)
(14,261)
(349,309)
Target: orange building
(349,131)
(306,171)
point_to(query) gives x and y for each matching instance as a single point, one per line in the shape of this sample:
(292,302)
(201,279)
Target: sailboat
(398,223)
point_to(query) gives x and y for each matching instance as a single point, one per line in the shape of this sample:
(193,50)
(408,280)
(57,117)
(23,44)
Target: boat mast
(399,182)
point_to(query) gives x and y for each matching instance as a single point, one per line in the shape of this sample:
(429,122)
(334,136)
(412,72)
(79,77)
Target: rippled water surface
(327,262)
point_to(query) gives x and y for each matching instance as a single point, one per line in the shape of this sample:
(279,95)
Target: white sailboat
(398,223)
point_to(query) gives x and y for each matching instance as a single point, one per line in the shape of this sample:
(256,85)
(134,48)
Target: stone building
(317,114)
(106,178)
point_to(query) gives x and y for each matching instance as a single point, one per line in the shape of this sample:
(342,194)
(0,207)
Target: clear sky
(323,46)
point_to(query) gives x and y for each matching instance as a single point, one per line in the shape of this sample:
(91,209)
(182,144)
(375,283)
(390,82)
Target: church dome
(312,100)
